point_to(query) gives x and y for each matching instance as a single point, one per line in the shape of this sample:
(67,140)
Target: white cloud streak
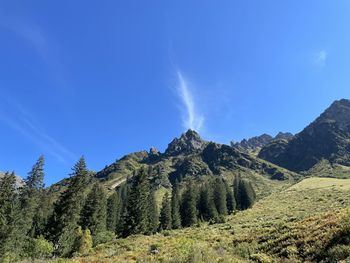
(191,119)
(19,119)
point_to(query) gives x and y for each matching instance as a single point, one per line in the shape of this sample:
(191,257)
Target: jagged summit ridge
(188,142)
(328,137)
(339,113)
(254,144)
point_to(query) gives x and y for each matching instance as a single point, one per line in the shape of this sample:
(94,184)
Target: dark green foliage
(11,237)
(114,207)
(136,218)
(175,207)
(33,201)
(94,212)
(103,237)
(219,192)
(153,214)
(230,199)
(42,215)
(39,248)
(64,221)
(188,206)
(244,193)
(206,206)
(165,220)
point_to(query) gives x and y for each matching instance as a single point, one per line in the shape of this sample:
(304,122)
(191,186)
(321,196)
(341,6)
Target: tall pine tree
(175,207)
(189,206)
(206,205)
(11,234)
(136,219)
(165,220)
(32,196)
(94,212)
(153,214)
(247,194)
(243,192)
(230,199)
(65,218)
(220,196)
(114,207)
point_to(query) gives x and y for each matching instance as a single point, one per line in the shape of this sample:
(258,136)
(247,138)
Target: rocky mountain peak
(254,144)
(338,112)
(328,138)
(284,136)
(188,142)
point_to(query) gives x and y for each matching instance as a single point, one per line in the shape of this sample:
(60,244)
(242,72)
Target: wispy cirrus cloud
(20,120)
(320,58)
(191,118)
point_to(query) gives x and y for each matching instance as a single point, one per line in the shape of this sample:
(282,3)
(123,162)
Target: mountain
(191,156)
(189,142)
(326,138)
(254,144)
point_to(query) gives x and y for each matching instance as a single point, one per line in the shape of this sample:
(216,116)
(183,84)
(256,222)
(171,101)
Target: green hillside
(303,222)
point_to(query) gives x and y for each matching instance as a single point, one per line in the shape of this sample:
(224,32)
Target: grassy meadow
(303,223)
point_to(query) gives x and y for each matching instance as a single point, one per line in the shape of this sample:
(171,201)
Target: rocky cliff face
(189,142)
(328,137)
(254,144)
(191,156)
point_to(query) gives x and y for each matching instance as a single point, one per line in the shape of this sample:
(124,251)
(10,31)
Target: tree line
(83,215)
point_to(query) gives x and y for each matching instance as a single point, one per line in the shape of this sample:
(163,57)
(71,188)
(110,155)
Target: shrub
(83,244)
(245,249)
(261,258)
(39,248)
(103,237)
(339,252)
(201,255)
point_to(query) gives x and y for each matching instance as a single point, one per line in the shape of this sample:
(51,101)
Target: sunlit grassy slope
(298,224)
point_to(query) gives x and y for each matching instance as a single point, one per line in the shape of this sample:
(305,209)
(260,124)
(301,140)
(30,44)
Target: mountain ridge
(327,137)
(254,144)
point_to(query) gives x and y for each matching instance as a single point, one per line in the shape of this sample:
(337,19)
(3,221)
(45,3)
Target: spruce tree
(220,196)
(244,193)
(113,212)
(247,194)
(175,207)
(188,206)
(94,212)
(123,193)
(136,217)
(237,191)
(165,221)
(230,199)
(65,218)
(11,233)
(206,205)
(32,198)
(153,214)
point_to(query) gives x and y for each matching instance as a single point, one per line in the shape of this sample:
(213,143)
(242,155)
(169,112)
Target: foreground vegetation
(83,216)
(200,219)
(307,222)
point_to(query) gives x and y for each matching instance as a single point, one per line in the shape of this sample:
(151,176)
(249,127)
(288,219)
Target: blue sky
(105,78)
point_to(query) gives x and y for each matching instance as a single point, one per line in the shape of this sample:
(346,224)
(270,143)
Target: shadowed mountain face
(189,155)
(189,142)
(328,137)
(254,144)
